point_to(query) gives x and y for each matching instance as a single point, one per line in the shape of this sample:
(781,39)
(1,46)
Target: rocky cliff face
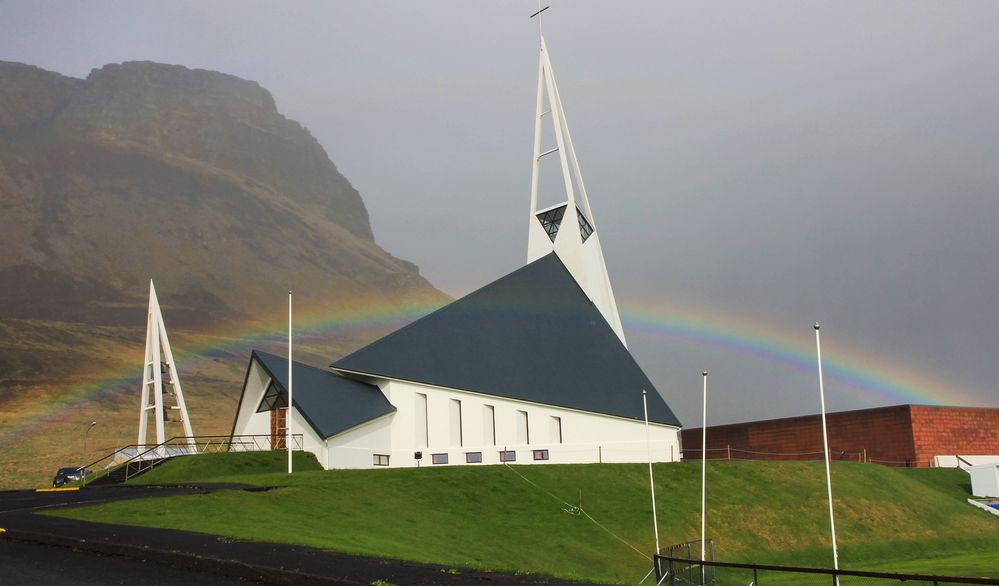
(190,177)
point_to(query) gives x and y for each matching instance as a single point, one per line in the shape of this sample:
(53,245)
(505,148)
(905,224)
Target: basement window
(439,458)
(508,456)
(381,460)
(473,457)
(540,454)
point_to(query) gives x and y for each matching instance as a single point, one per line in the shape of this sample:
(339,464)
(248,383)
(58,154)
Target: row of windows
(457,436)
(476,457)
(470,457)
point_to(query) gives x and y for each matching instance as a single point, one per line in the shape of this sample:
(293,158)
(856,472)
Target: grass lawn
(491,517)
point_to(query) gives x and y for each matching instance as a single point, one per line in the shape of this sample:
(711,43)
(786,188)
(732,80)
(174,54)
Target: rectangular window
(488,425)
(556,429)
(420,422)
(508,456)
(540,454)
(439,458)
(523,435)
(381,460)
(456,435)
(473,457)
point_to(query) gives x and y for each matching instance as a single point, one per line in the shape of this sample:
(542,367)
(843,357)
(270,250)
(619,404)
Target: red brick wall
(884,432)
(891,435)
(966,431)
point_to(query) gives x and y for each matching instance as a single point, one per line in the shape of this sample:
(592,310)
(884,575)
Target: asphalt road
(40,549)
(32,563)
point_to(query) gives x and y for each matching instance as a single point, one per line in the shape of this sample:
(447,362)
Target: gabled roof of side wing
(331,403)
(532,335)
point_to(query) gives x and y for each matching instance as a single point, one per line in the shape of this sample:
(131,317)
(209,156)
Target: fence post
(728,449)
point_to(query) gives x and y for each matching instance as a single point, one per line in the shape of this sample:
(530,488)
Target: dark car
(65,475)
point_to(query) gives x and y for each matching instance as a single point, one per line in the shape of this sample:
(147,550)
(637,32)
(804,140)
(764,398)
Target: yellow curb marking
(56,489)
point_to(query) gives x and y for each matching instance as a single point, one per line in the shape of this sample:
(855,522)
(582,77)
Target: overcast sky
(753,167)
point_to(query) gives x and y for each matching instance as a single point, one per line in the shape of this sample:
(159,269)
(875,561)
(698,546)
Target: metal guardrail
(129,461)
(690,552)
(681,571)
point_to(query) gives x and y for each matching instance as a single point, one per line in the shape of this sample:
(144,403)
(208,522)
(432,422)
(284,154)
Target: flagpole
(290,404)
(825,444)
(652,484)
(704,468)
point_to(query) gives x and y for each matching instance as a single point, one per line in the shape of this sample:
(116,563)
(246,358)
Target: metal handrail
(672,572)
(200,444)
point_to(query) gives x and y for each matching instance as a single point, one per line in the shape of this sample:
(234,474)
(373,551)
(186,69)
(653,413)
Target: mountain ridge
(200,161)
(193,179)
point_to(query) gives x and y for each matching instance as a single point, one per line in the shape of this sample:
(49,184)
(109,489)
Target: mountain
(192,178)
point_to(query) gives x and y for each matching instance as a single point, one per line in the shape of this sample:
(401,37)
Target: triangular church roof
(330,403)
(531,335)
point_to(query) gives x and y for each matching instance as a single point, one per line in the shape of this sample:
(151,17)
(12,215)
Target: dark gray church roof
(531,335)
(329,402)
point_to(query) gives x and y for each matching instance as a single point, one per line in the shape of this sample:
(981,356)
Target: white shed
(985,480)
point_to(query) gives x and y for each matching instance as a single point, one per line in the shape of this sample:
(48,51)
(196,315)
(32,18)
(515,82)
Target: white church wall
(311,442)
(585,437)
(248,421)
(358,447)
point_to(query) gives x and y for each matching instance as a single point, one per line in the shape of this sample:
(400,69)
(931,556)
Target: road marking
(57,489)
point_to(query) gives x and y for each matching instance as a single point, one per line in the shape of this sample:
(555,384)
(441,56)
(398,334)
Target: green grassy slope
(491,517)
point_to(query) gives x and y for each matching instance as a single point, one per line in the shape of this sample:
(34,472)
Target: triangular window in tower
(585,229)
(551,219)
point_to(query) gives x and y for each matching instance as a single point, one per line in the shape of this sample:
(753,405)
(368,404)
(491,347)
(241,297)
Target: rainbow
(361,319)
(871,378)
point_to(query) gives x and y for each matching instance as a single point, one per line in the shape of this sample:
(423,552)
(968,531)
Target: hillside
(192,178)
(517,518)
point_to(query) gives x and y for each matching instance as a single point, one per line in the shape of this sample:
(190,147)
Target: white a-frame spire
(567,228)
(159,367)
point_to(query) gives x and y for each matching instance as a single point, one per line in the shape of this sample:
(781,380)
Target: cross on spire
(538,14)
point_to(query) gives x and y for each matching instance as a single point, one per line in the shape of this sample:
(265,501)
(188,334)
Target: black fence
(681,570)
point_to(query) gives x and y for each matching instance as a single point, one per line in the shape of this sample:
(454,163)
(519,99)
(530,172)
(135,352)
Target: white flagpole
(704,467)
(652,484)
(825,444)
(290,408)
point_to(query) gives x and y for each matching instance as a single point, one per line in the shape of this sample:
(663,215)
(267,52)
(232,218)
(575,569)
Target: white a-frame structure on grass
(567,228)
(158,368)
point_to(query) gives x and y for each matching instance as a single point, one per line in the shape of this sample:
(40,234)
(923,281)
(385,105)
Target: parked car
(70,474)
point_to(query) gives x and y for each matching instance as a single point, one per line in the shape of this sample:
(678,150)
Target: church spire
(567,228)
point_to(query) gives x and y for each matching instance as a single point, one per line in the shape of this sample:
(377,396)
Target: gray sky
(753,167)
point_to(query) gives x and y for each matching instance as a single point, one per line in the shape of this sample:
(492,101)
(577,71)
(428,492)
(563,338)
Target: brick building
(903,435)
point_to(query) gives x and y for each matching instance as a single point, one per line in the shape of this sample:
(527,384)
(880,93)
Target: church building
(531,368)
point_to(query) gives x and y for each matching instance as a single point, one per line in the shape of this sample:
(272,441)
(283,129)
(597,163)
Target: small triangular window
(274,398)
(551,219)
(585,229)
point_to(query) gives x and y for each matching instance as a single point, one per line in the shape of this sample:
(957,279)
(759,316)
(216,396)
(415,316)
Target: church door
(279,428)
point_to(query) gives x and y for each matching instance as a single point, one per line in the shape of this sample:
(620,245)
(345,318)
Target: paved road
(133,554)
(32,563)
